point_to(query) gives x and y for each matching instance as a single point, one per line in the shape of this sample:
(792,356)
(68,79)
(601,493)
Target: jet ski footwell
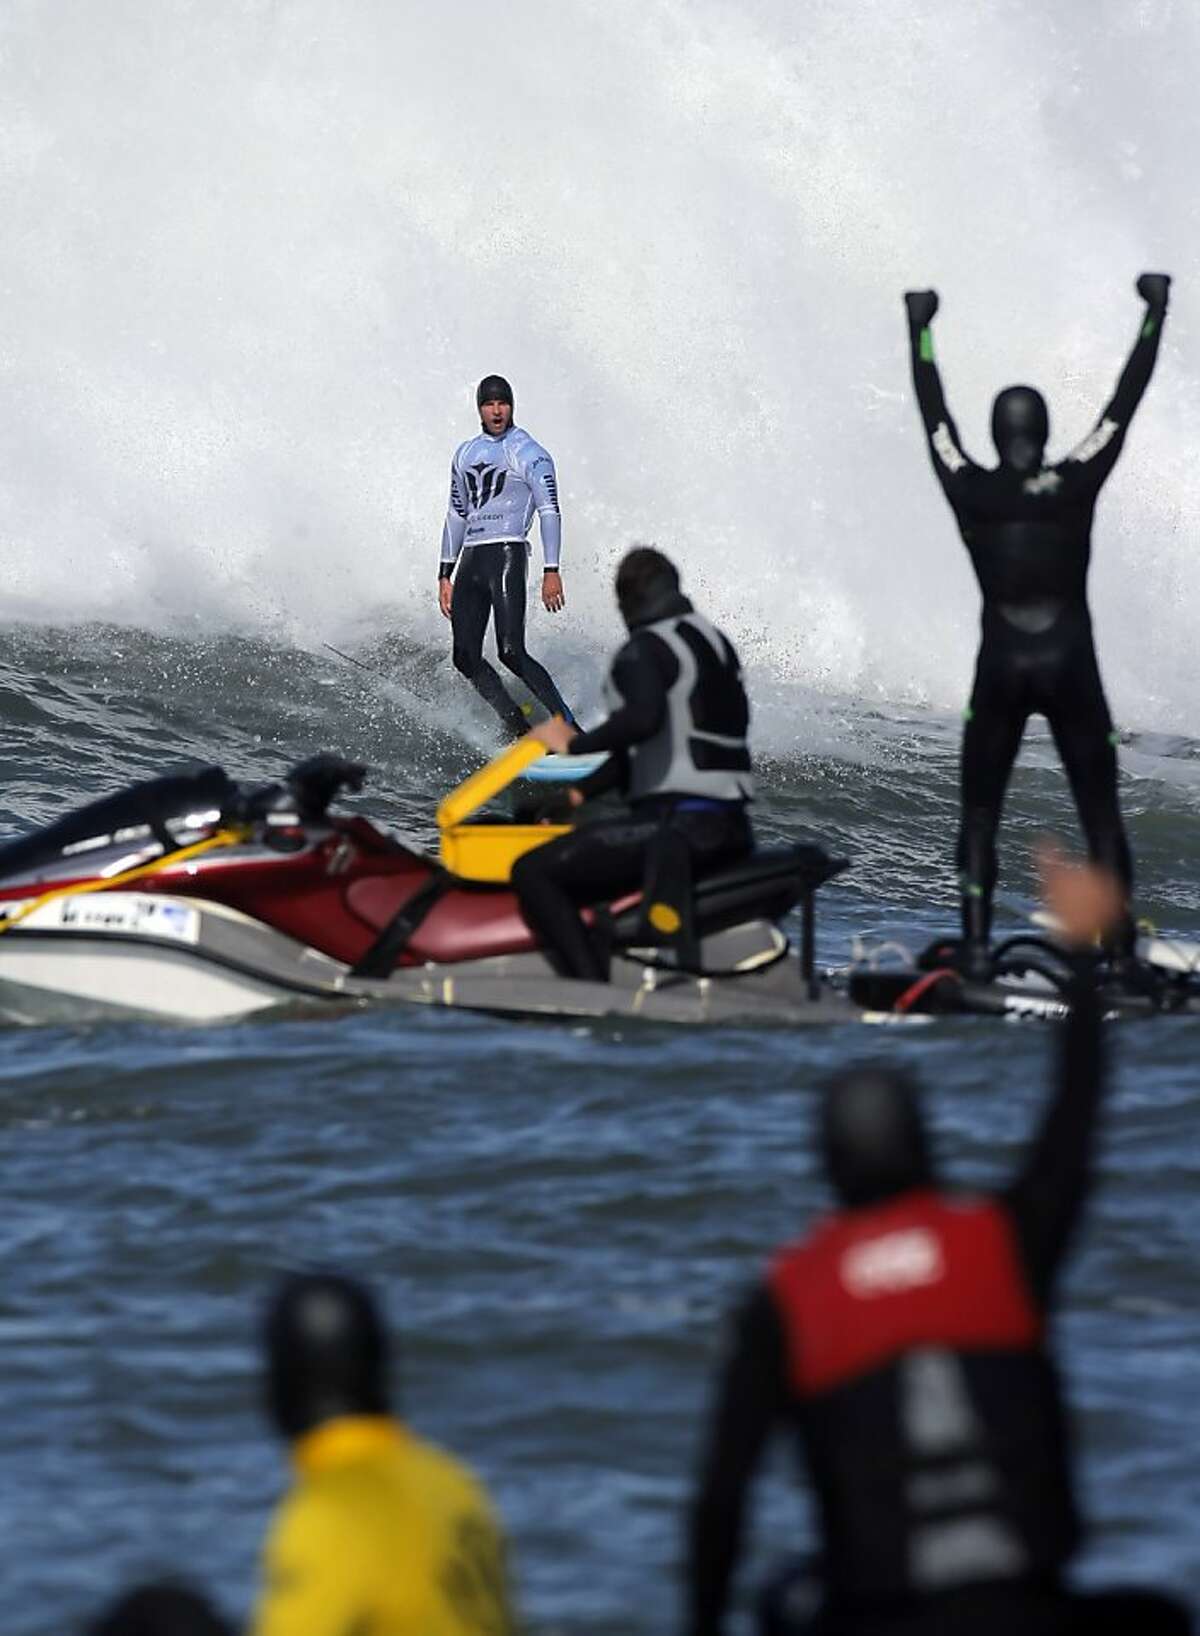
(525,985)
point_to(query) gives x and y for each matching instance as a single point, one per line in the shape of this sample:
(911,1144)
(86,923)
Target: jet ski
(192,897)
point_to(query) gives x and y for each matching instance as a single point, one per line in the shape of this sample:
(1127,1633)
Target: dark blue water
(557,1217)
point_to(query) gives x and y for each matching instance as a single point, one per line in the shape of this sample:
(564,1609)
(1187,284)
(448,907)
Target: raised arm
(1047,1197)
(1099,450)
(950,460)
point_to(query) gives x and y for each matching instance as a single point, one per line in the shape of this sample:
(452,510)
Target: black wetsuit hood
(326,1353)
(648,587)
(1020,427)
(873,1136)
(493,389)
(666,604)
(160,1610)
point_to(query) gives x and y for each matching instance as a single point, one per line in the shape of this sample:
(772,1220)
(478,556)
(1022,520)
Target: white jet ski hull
(123,954)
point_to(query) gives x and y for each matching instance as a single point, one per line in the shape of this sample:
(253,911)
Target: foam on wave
(256,256)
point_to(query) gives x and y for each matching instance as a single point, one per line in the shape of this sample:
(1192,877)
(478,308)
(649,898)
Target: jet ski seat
(765,884)
(770,874)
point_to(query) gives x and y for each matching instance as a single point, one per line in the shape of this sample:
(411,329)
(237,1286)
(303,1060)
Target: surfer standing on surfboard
(497,481)
(1028,528)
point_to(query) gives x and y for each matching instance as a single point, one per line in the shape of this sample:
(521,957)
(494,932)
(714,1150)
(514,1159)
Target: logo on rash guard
(484,483)
(889,1265)
(1046,482)
(1092,445)
(542,471)
(948,452)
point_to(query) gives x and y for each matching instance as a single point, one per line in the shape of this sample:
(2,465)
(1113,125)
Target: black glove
(1153,288)
(921,304)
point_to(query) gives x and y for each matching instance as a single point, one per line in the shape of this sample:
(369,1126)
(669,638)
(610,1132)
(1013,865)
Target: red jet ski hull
(342,893)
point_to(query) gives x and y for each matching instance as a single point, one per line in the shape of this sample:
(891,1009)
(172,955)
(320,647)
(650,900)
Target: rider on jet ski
(677,738)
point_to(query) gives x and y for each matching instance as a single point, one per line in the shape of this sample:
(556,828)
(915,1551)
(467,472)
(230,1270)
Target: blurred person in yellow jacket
(382,1534)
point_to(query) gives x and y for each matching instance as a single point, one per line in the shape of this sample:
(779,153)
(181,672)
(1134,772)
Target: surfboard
(555,769)
(1175,954)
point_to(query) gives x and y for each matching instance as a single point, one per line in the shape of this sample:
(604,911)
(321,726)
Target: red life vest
(929,1410)
(918,1271)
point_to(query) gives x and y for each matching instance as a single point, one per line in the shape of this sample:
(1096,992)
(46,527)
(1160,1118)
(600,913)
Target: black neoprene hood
(493,389)
(1020,427)
(873,1136)
(326,1353)
(647,585)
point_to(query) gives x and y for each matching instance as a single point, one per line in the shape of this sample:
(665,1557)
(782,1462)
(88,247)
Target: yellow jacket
(382,1535)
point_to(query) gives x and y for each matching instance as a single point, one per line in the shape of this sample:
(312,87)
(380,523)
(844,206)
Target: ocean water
(255,257)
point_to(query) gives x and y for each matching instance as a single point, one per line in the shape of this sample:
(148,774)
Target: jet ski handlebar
(305,793)
(185,804)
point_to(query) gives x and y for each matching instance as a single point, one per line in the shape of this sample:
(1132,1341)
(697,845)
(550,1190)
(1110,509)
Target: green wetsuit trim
(926,345)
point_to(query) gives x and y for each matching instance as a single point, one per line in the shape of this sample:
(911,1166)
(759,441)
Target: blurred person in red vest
(904,1341)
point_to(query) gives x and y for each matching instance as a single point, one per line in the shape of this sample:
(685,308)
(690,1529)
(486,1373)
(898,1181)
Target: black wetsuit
(1029,538)
(892,1544)
(491,581)
(601,860)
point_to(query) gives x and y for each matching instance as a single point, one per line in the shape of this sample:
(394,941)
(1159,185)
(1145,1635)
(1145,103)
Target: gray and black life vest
(701,747)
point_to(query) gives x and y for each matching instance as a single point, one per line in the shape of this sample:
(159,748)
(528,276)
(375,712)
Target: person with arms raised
(1028,528)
